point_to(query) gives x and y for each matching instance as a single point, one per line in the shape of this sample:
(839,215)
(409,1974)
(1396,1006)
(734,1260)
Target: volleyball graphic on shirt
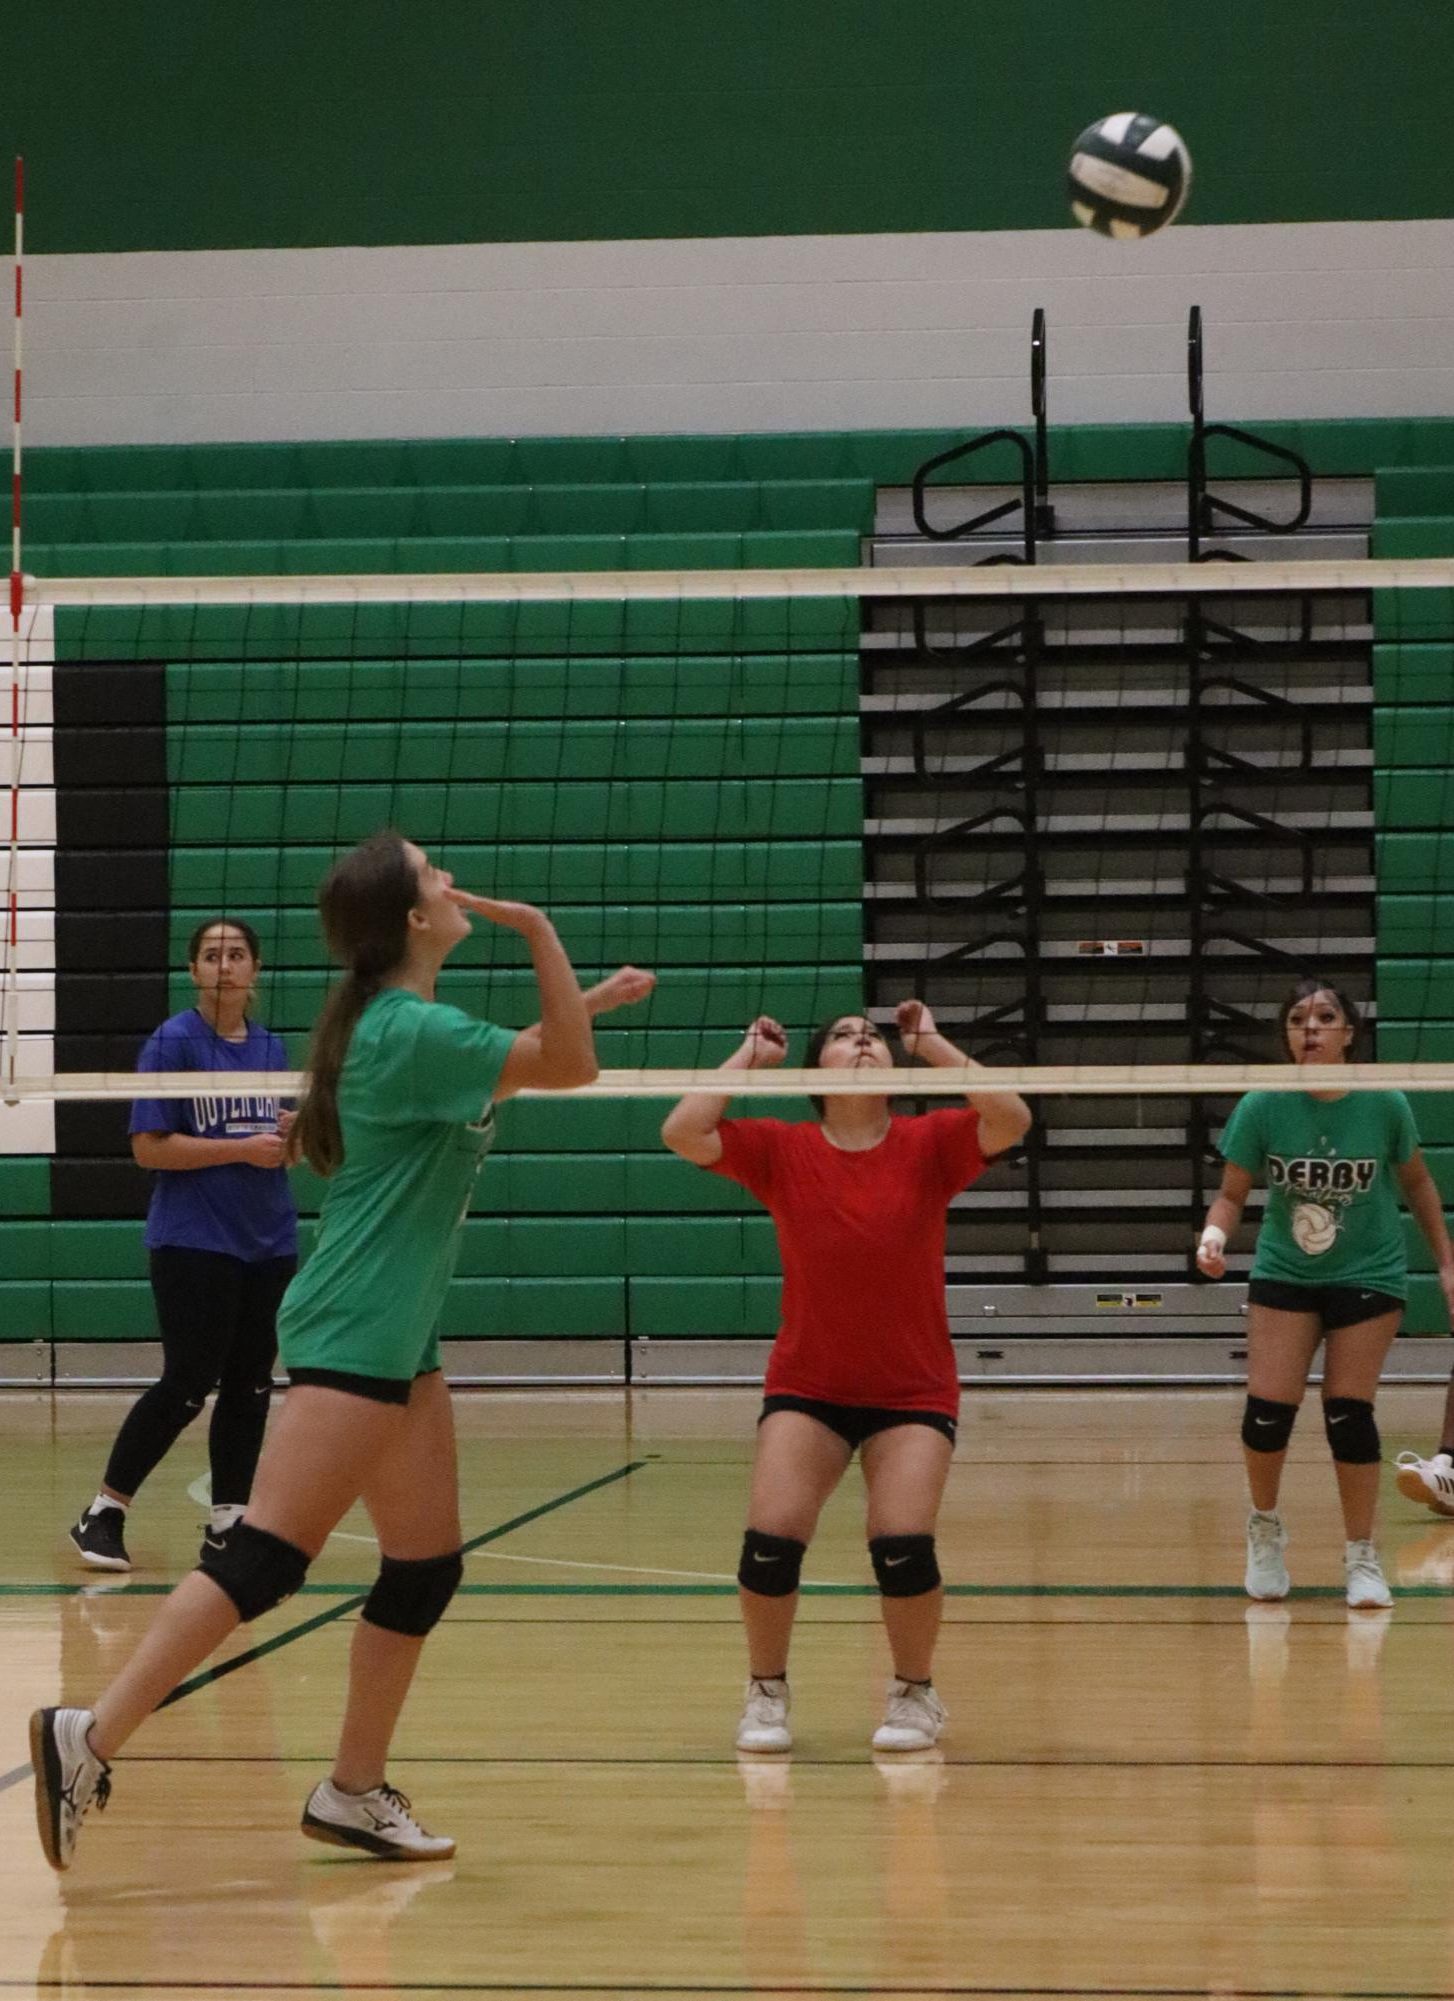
(1314,1228)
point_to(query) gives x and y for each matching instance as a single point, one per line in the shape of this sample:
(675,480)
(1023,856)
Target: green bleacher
(1413,744)
(717,834)
(1353,447)
(680,784)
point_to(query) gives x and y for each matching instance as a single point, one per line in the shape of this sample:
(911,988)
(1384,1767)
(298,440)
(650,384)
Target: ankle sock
(107,1501)
(226,1516)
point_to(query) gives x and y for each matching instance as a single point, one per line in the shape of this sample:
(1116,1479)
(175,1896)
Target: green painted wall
(154,126)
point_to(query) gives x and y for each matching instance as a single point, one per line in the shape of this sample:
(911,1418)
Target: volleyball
(1129,175)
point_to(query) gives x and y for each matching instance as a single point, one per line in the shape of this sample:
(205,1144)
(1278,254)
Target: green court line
(356,1593)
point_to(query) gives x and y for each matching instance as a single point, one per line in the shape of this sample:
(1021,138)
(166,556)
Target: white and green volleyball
(1129,175)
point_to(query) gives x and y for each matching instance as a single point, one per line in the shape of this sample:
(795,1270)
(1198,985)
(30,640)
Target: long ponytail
(364,903)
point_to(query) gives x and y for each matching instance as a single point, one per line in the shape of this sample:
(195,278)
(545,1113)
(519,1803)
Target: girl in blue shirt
(222,1242)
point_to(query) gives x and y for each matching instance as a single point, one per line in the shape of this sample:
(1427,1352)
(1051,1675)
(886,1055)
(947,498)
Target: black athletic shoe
(97,1535)
(69,1779)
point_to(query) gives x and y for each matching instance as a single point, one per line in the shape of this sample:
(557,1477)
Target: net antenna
(11,995)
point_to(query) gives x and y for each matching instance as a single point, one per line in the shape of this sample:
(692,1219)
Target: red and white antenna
(17,595)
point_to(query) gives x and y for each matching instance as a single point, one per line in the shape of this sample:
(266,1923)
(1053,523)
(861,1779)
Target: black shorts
(1335,1305)
(855,1422)
(374,1389)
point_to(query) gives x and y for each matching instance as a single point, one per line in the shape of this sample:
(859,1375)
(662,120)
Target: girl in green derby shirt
(398,1114)
(1329,1269)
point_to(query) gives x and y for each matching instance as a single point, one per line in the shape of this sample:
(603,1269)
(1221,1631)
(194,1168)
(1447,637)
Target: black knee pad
(256,1570)
(410,1596)
(1352,1433)
(1267,1426)
(771,1564)
(905,1565)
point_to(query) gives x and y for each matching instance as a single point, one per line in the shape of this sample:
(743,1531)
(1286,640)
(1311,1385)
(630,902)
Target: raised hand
(764,1046)
(620,989)
(521,917)
(914,1021)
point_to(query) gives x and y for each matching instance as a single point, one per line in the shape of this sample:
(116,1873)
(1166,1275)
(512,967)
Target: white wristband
(1214,1241)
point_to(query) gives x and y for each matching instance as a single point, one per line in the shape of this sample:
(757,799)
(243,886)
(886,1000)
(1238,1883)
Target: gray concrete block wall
(735,334)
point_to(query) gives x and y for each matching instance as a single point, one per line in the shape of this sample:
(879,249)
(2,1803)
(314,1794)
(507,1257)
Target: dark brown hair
(250,938)
(818,1042)
(1304,989)
(364,903)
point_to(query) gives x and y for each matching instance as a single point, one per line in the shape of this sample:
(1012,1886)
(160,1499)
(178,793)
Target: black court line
(983,1990)
(353,1603)
(1300,1594)
(795,1763)
(726,1622)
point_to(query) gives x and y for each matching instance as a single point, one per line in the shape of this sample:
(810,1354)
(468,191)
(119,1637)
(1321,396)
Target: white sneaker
(913,1718)
(1428,1480)
(378,1821)
(1267,1576)
(69,1779)
(1367,1585)
(764,1724)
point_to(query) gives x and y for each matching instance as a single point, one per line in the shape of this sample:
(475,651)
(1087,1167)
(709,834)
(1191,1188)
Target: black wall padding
(112,892)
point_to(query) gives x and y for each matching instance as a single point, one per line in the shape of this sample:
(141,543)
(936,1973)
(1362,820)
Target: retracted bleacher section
(1414,810)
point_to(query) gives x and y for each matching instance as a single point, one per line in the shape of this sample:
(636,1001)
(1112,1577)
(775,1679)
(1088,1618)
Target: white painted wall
(735,334)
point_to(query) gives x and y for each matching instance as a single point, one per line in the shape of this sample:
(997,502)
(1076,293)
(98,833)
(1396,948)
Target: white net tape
(1045,1080)
(1178,580)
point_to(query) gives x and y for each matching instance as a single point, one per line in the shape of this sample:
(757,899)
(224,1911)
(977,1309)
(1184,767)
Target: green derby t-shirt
(414,1102)
(1332,1215)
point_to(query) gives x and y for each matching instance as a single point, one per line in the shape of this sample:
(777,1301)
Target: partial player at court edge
(1330,1267)
(863,1359)
(221,1242)
(398,1116)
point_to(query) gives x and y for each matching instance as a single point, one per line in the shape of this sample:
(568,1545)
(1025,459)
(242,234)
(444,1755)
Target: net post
(17,598)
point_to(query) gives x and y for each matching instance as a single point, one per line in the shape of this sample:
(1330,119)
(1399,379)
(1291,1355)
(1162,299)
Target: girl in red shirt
(863,1358)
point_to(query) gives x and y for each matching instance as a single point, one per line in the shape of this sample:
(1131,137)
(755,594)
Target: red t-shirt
(861,1238)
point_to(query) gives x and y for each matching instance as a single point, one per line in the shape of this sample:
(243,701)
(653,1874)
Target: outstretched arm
(691,1126)
(1004,1118)
(620,989)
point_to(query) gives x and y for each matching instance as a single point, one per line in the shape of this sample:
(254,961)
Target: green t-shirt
(414,1103)
(1332,1215)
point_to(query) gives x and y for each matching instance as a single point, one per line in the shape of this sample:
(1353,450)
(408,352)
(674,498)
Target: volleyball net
(1096,819)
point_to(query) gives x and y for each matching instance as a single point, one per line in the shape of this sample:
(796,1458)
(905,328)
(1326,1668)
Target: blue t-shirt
(246,1212)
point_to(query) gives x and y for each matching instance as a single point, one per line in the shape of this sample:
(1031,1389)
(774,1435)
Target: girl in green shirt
(1329,1267)
(398,1114)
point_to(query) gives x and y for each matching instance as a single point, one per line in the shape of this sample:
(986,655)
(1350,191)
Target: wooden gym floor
(1148,1787)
